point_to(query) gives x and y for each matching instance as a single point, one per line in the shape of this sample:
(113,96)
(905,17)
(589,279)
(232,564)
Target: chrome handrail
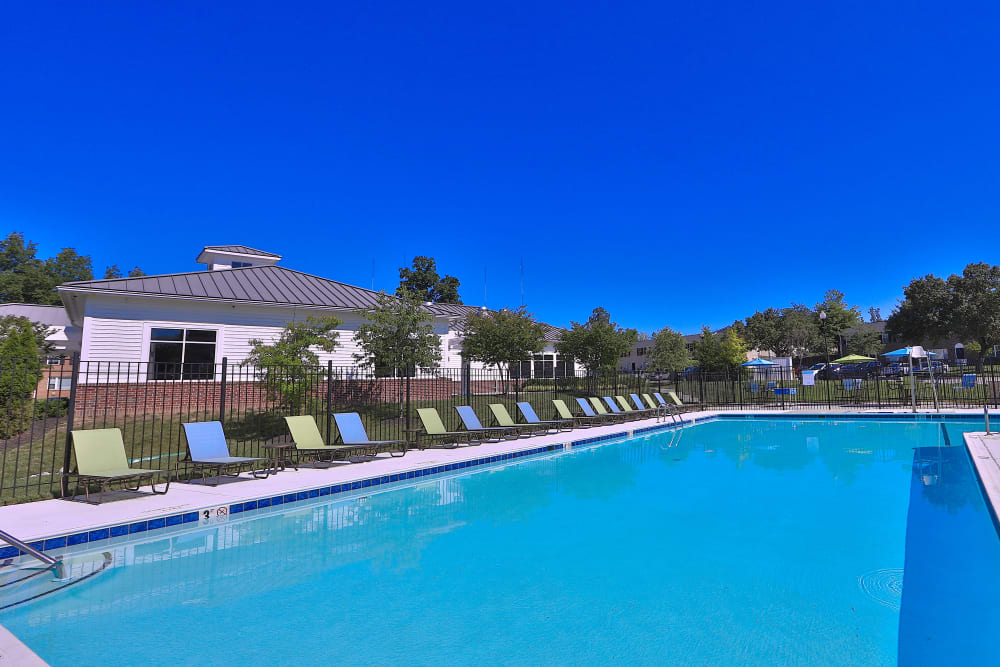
(33,552)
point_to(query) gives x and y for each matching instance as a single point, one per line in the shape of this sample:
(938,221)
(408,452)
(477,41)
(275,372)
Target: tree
(20,372)
(839,316)
(12,324)
(732,350)
(874,314)
(397,338)
(112,272)
(22,275)
(801,330)
(597,344)
(502,338)
(136,272)
(965,306)
(866,341)
(68,266)
(766,331)
(422,280)
(924,312)
(283,363)
(670,353)
(975,307)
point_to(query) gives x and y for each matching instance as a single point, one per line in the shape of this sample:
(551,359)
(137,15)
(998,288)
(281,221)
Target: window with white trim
(60,383)
(181,354)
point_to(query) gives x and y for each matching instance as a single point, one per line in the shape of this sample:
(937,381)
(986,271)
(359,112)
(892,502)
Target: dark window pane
(165,361)
(166,334)
(199,362)
(201,335)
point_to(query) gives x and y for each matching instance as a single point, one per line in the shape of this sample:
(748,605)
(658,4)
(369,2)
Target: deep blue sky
(676,163)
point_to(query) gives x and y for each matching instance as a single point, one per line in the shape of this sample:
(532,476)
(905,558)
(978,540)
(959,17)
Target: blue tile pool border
(156,523)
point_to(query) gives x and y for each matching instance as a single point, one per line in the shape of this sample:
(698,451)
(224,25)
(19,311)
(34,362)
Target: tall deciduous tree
(724,353)
(597,343)
(502,338)
(397,338)
(283,363)
(422,280)
(112,272)
(20,372)
(839,316)
(670,352)
(136,272)
(965,306)
(865,341)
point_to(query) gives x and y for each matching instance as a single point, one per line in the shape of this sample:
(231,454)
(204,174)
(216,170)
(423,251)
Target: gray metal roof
(258,284)
(54,316)
(241,249)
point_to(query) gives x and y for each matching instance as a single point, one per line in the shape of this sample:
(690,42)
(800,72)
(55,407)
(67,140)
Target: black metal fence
(960,387)
(250,402)
(40,405)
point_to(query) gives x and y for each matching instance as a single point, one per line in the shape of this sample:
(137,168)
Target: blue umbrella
(759,362)
(905,352)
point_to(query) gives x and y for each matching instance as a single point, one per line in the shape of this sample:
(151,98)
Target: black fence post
(68,447)
(329,397)
(407,403)
(222,390)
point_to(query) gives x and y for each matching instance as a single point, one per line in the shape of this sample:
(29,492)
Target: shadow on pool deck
(950,607)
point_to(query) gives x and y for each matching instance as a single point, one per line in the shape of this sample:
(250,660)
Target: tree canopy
(398,336)
(423,281)
(670,352)
(965,306)
(26,278)
(20,373)
(598,343)
(720,354)
(502,337)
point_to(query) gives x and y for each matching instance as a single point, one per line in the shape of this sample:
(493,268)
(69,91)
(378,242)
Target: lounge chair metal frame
(105,481)
(424,414)
(220,466)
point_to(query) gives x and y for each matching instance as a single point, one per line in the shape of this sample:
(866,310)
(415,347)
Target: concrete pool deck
(36,521)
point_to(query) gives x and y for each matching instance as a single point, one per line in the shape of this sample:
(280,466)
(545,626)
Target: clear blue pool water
(796,542)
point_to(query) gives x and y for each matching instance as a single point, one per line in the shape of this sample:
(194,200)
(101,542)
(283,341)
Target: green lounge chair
(587,408)
(636,405)
(677,402)
(530,417)
(434,428)
(309,443)
(599,408)
(502,418)
(208,450)
(580,420)
(100,457)
(614,408)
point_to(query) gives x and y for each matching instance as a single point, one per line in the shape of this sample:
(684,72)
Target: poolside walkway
(985,452)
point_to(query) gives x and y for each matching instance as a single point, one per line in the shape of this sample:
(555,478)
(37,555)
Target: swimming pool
(735,541)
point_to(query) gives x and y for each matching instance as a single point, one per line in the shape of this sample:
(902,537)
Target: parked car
(689,372)
(865,369)
(921,367)
(895,368)
(822,373)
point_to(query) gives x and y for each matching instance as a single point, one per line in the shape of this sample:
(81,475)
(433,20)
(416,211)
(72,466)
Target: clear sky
(677,163)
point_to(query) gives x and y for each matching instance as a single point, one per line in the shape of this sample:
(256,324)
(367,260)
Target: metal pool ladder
(49,561)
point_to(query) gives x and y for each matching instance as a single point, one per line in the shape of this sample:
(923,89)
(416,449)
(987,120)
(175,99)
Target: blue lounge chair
(207,449)
(614,409)
(530,417)
(352,432)
(470,420)
(588,411)
(640,406)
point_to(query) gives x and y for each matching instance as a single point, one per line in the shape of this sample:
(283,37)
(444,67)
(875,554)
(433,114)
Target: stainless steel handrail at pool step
(49,561)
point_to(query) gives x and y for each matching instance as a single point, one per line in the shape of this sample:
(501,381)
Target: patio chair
(675,401)
(207,449)
(434,428)
(503,418)
(640,406)
(629,409)
(100,457)
(968,381)
(530,417)
(615,409)
(612,415)
(309,443)
(565,414)
(471,422)
(352,432)
(587,408)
